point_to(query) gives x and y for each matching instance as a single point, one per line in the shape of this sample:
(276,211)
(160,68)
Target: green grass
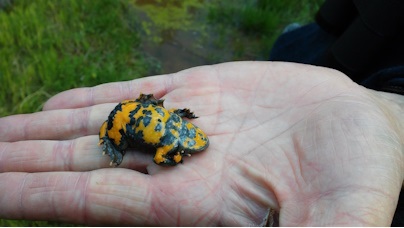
(27,223)
(50,46)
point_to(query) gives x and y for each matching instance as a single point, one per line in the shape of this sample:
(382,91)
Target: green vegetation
(255,25)
(170,16)
(49,46)
(26,223)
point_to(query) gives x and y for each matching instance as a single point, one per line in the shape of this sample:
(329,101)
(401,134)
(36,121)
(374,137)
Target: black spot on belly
(130,132)
(135,137)
(175,118)
(191,143)
(168,139)
(138,121)
(112,115)
(158,126)
(146,112)
(132,113)
(192,133)
(146,120)
(160,111)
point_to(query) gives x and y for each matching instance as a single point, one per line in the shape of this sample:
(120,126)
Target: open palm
(303,140)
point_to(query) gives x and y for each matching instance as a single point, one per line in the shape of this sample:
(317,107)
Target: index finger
(191,80)
(108,93)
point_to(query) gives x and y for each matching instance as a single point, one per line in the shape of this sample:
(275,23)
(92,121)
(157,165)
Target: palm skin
(303,140)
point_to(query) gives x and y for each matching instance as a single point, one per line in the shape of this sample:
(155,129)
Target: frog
(146,122)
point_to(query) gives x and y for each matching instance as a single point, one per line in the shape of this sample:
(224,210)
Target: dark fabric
(356,44)
(306,44)
(398,219)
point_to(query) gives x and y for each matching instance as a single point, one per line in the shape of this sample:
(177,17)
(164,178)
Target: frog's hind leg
(185,112)
(167,157)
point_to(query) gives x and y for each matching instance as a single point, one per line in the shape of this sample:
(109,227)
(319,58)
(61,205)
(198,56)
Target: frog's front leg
(166,156)
(185,112)
(108,147)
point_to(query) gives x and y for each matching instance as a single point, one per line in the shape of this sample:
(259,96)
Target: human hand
(303,140)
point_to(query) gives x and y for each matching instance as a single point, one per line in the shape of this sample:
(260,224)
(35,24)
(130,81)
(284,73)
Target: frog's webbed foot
(109,148)
(149,99)
(185,112)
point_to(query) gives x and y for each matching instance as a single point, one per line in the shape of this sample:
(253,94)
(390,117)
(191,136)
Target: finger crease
(85,211)
(90,92)
(3,149)
(70,155)
(25,127)
(84,121)
(21,204)
(79,118)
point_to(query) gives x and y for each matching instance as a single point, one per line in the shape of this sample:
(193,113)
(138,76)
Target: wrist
(393,107)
